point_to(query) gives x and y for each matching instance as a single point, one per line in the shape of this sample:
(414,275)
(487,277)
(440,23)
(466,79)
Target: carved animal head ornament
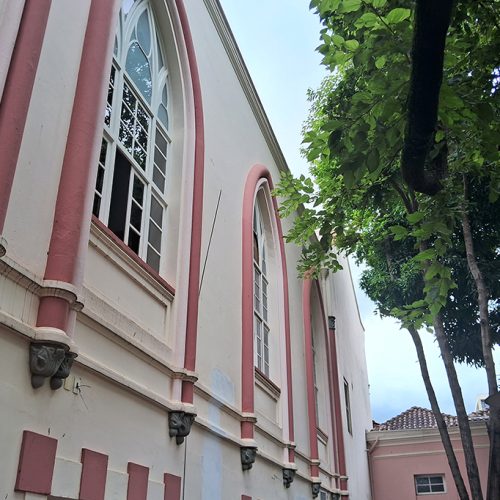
(179,425)
(45,360)
(248,454)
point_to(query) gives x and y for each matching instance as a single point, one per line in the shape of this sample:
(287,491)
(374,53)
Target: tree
(355,141)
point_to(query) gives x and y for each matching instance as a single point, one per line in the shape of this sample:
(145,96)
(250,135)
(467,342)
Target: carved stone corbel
(3,246)
(288,476)
(315,487)
(45,361)
(248,454)
(179,425)
(63,371)
(331,322)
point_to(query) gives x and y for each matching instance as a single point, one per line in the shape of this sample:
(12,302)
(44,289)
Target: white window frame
(262,329)
(348,413)
(153,226)
(428,477)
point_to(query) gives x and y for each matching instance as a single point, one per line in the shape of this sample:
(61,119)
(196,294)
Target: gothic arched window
(131,188)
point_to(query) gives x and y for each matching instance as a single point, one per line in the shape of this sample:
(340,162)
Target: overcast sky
(277,39)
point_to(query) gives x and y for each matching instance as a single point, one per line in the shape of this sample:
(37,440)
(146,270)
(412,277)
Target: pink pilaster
(71,225)
(197,209)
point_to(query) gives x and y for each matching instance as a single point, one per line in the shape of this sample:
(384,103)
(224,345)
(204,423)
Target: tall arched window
(131,188)
(260,290)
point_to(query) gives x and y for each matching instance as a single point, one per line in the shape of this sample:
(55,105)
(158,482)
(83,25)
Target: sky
(277,39)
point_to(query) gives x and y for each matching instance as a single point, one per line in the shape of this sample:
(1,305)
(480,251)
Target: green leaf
(379,3)
(351,45)
(439,135)
(368,20)
(428,254)
(350,6)
(380,62)
(415,217)
(397,15)
(338,41)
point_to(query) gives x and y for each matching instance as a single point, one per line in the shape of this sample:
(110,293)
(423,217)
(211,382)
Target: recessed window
(132,176)
(260,293)
(347,398)
(428,484)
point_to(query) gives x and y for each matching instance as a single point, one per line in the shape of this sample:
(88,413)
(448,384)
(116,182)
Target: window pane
(156,211)
(144,33)
(137,66)
(438,487)
(160,160)
(154,236)
(163,115)
(422,480)
(100,179)
(153,259)
(136,216)
(160,57)
(133,240)
(436,480)
(159,179)
(423,488)
(138,191)
(96,205)
(161,143)
(119,196)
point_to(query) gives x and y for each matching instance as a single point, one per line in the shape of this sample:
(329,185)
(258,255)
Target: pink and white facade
(155,340)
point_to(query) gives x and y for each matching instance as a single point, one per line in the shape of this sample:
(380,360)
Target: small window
(428,484)
(347,406)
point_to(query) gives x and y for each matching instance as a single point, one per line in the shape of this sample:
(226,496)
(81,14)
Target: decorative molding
(267,384)
(315,487)
(49,360)
(179,425)
(248,454)
(331,322)
(3,246)
(113,249)
(288,476)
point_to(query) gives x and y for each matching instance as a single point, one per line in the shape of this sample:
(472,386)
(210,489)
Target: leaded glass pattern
(132,177)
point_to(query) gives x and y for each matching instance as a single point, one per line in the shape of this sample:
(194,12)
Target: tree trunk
(463,419)
(443,430)
(489,363)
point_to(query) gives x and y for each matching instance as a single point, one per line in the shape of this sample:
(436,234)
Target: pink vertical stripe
(36,463)
(173,485)
(197,214)
(17,93)
(311,404)
(137,488)
(94,473)
(71,225)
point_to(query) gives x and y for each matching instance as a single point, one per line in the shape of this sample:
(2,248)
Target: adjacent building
(155,339)
(408,461)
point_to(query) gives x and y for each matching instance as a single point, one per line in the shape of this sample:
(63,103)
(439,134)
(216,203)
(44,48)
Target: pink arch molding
(257,173)
(197,214)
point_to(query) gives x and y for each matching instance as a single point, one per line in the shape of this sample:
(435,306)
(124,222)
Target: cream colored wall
(31,206)
(10,17)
